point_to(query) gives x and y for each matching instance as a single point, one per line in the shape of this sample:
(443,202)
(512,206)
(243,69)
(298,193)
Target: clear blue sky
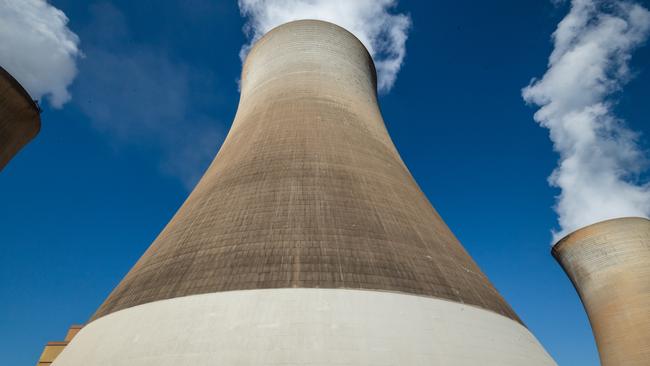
(156,95)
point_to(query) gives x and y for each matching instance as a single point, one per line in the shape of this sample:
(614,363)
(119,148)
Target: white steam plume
(38,49)
(383,33)
(600,160)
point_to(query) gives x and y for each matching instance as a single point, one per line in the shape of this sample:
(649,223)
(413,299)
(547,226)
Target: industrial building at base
(306,242)
(609,265)
(53,349)
(20,118)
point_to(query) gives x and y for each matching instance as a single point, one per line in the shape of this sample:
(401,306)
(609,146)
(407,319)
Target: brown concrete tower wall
(307,191)
(306,242)
(609,265)
(19,118)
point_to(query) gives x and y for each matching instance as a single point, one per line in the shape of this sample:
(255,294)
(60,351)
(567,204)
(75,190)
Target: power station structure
(609,265)
(20,118)
(53,349)
(306,242)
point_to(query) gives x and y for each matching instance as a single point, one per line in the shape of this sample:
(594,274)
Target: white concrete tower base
(304,327)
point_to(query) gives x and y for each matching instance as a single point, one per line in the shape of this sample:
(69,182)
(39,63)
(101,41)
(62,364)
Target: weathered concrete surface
(19,118)
(307,190)
(316,327)
(609,265)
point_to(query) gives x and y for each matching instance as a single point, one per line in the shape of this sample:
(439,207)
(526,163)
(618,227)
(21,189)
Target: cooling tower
(306,242)
(609,265)
(20,120)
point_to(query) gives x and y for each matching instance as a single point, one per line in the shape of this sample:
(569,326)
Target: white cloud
(600,160)
(383,33)
(140,95)
(38,49)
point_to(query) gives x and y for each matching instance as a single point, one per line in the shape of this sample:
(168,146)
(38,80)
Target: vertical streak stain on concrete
(609,265)
(307,191)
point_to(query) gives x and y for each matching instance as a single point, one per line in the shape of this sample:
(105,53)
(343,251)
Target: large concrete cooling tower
(306,242)
(19,117)
(609,265)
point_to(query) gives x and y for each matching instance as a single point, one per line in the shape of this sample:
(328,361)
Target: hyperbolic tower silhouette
(609,265)
(307,241)
(20,118)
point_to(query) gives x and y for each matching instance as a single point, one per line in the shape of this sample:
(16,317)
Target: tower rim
(260,41)
(21,90)
(568,238)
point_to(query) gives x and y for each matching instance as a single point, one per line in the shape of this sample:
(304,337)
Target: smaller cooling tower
(19,117)
(609,265)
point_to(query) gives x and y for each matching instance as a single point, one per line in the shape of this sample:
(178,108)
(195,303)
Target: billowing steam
(38,49)
(382,32)
(600,161)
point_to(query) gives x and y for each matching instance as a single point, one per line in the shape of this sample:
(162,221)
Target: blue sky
(156,93)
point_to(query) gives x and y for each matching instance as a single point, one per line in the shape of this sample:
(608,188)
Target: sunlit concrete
(304,327)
